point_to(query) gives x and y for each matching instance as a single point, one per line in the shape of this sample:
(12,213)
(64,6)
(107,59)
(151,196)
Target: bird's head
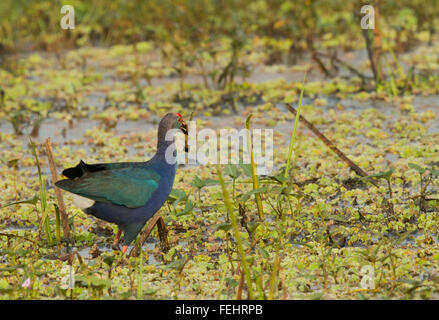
(174,121)
(183,125)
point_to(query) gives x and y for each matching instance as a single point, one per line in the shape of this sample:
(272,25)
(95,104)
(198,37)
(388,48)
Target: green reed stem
(58,224)
(252,164)
(43,197)
(274,276)
(236,232)
(139,276)
(293,135)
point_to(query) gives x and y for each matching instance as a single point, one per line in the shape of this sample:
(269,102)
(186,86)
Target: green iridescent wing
(131,187)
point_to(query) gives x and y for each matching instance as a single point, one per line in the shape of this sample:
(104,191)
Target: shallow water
(148,246)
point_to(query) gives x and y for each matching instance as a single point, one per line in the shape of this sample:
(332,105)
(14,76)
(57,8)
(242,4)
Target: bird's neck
(165,146)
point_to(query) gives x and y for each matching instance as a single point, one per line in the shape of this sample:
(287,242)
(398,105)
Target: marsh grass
(255,178)
(275,188)
(139,292)
(44,220)
(293,134)
(231,212)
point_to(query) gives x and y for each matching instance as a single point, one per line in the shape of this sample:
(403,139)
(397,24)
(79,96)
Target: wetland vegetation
(312,229)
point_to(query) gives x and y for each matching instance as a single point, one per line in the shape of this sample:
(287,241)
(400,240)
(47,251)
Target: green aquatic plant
(386,175)
(43,200)
(232,215)
(293,134)
(233,172)
(426,178)
(253,170)
(176,197)
(201,183)
(44,220)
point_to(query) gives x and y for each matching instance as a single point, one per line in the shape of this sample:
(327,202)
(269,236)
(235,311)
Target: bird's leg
(115,245)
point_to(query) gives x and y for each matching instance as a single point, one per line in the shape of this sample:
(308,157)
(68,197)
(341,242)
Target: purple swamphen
(127,193)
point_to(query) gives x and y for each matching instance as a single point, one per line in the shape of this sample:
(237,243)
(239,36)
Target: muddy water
(61,132)
(149,245)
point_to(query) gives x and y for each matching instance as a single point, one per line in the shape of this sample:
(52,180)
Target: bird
(127,193)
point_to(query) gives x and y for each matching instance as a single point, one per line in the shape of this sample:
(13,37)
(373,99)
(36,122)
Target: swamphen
(127,193)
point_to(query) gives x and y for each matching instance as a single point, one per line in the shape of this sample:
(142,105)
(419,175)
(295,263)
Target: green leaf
(337,218)
(252,226)
(199,183)
(232,282)
(245,196)
(382,175)
(93,281)
(12,162)
(32,200)
(232,171)
(278,178)
(224,226)
(176,196)
(417,168)
(177,264)
(149,291)
(108,259)
(12,268)
(247,122)
(247,169)
(434,172)
(187,209)
(263,252)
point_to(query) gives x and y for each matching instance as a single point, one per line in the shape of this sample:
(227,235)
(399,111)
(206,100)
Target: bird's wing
(82,167)
(131,187)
